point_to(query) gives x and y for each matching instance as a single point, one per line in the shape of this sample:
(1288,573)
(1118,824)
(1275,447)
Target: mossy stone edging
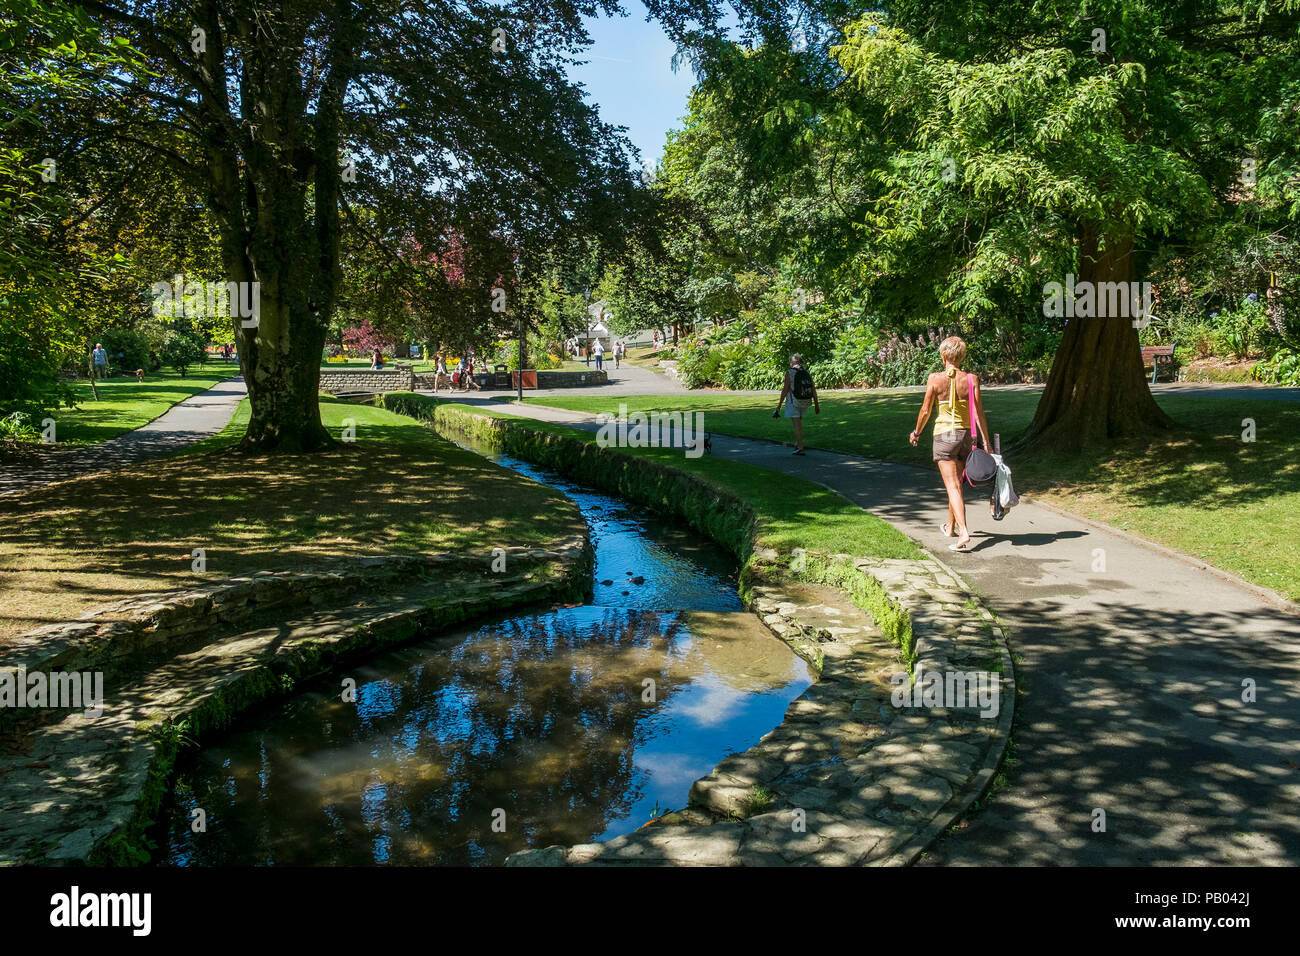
(83,790)
(708,507)
(900,794)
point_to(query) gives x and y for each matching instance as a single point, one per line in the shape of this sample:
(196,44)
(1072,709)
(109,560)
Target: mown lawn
(125,404)
(1201,490)
(69,547)
(793,513)
(644,357)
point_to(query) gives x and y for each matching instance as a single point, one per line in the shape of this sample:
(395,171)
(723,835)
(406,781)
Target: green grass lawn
(68,547)
(644,357)
(1201,490)
(125,404)
(793,513)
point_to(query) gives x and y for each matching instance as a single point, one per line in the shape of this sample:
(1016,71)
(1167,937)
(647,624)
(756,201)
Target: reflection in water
(563,727)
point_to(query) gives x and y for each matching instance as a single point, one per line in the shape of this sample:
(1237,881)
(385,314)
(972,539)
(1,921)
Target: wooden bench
(1156,356)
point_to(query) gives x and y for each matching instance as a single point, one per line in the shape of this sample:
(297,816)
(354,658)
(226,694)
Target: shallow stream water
(565,726)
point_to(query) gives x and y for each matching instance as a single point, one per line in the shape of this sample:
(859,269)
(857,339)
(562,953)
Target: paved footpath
(183,424)
(1132,683)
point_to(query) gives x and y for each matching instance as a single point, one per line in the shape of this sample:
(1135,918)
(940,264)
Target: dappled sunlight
(106,536)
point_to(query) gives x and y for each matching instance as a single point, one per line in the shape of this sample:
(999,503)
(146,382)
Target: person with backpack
(797,394)
(961,415)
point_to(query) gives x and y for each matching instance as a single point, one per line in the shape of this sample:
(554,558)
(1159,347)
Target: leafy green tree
(182,349)
(388,126)
(973,154)
(46,51)
(1038,140)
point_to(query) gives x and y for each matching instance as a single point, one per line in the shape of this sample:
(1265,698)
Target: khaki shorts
(954,446)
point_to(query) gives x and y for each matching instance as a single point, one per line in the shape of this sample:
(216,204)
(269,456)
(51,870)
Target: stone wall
(572,379)
(553,379)
(849,777)
(83,790)
(364,381)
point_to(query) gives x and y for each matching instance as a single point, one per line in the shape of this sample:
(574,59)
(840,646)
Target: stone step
(79,789)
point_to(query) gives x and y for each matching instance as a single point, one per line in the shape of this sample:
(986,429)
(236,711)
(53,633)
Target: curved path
(1131,679)
(198,417)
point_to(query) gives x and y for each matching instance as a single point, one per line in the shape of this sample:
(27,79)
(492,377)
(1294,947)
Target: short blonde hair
(953,349)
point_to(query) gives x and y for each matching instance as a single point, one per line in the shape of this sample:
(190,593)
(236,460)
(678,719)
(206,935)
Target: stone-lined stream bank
(849,777)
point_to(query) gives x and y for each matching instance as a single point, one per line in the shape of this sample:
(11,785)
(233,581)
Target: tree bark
(1096,391)
(268,238)
(283,383)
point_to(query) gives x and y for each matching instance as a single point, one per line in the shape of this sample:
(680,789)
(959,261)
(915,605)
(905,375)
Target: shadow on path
(1132,666)
(183,424)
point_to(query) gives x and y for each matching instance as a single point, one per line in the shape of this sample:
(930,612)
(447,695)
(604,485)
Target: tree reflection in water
(541,716)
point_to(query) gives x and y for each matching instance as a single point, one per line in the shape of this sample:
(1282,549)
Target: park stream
(567,726)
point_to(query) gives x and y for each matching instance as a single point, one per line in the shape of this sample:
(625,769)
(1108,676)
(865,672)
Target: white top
(598,348)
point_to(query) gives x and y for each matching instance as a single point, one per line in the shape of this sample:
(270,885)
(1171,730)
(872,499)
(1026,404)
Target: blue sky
(629,78)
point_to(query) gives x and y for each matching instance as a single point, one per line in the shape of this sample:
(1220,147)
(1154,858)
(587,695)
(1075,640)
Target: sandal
(947,531)
(963,548)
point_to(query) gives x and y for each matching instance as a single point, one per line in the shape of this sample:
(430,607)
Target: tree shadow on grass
(136,529)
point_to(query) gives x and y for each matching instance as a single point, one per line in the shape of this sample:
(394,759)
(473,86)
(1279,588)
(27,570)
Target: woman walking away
(797,394)
(955,391)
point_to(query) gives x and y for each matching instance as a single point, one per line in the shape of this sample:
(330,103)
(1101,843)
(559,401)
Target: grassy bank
(68,547)
(794,513)
(125,404)
(760,515)
(1201,490)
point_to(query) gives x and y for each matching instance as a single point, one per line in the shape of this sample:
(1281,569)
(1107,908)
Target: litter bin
(500,376)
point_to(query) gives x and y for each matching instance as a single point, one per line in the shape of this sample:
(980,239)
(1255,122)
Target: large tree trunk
(283,381)
(1096,390)
(262,197)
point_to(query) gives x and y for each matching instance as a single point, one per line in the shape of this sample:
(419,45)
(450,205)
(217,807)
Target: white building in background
(597,328)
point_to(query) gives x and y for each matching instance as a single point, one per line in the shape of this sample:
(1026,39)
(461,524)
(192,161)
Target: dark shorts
(952,447)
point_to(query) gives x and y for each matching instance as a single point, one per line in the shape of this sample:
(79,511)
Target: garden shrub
(182,350)
(132,346)
(1281,368)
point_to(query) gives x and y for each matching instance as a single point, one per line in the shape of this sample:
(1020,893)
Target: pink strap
(974,420)
(970,409)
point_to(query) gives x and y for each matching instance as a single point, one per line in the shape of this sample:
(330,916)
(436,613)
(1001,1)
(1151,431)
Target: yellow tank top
(954,413)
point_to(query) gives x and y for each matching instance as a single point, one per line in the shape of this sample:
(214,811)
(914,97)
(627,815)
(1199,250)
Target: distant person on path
(600,355)
(953,389)
(618,353)
(797,393)
(99,357)
(656,340)
(440,374)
